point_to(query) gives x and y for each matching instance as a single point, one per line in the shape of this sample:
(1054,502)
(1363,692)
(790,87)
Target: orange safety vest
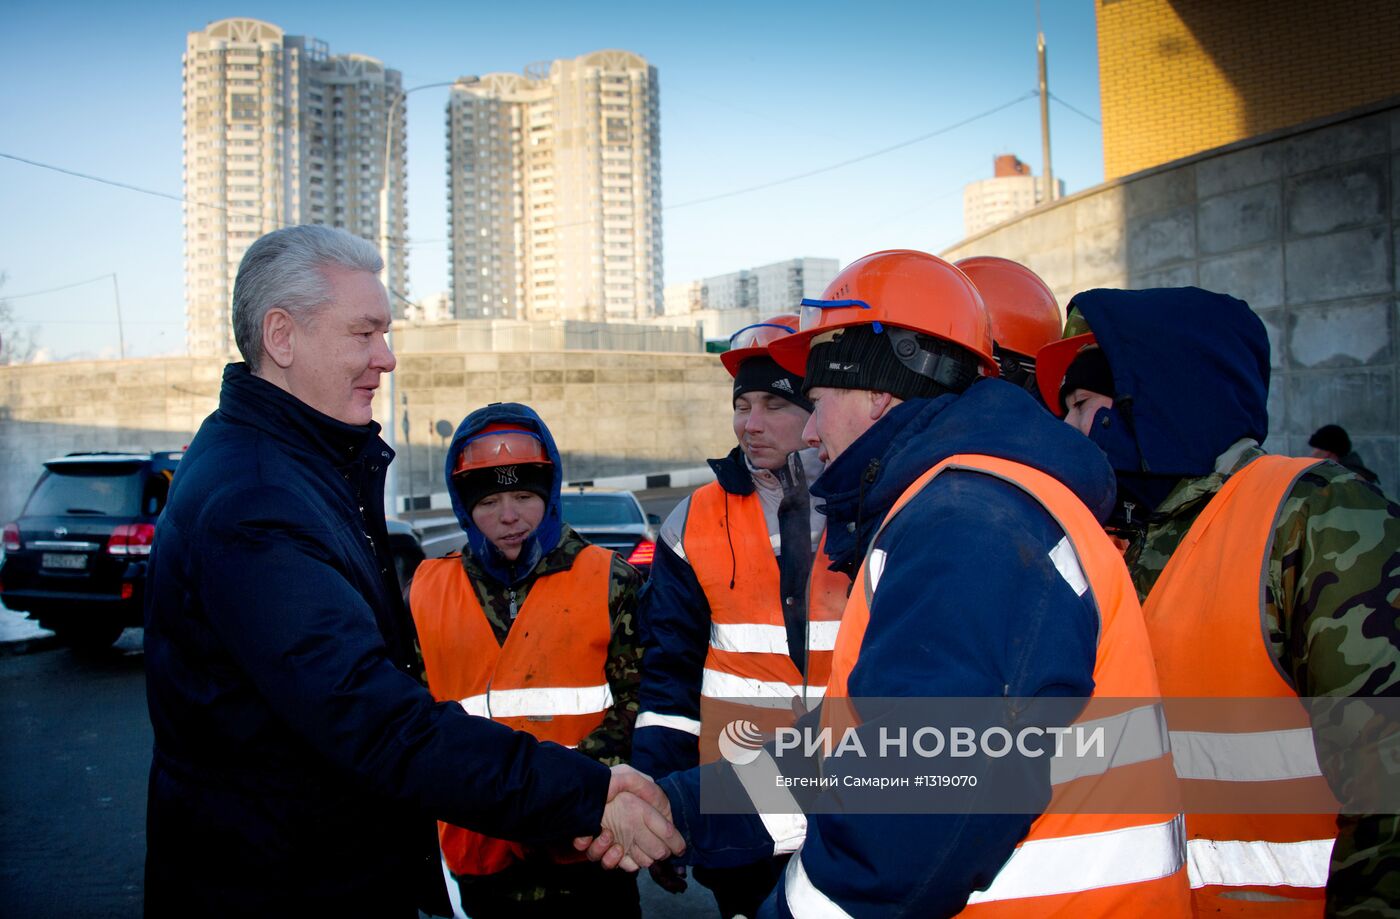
(548,679)
(748,655)
(1071,865)
(1205,617)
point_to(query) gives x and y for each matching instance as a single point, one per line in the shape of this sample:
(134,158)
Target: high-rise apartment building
(1012,190)
(554,191)
(278,131)
(770,289)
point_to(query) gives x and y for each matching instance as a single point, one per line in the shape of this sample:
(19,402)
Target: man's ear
(279,336)
(880,403)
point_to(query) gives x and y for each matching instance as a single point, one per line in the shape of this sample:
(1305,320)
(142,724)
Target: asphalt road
(73,767)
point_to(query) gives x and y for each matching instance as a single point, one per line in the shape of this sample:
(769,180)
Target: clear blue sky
(750,93)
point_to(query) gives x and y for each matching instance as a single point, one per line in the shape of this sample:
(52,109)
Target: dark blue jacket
(298,764)
(970,604)
(673,618)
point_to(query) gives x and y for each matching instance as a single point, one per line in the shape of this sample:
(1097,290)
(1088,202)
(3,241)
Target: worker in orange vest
(1262,577)
(532,627)
(980,571)
(736,611)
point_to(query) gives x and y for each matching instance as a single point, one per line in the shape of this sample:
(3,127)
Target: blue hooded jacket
(546,536)
(970,604)
(1190,372)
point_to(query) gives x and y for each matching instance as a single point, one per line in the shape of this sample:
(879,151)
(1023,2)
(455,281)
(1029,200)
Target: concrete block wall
(47,410)
(612,412)
(1301,224)
(1181,76)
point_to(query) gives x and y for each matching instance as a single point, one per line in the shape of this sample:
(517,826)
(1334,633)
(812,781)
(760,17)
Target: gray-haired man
(298,763)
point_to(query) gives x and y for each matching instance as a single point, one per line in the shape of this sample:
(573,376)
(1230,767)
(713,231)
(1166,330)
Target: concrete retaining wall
(1301,224)
(611,412)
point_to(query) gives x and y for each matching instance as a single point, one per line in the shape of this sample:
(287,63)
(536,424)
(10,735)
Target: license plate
(63,560)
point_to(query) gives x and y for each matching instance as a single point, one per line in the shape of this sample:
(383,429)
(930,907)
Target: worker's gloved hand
(669,876)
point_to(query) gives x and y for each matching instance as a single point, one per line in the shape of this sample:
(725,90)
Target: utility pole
(121,335)
(386,241)
(1051,191)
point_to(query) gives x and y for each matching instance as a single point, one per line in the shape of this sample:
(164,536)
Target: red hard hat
(1051,363)
(500,444)
(753,340)
(1024,314)
(898,287)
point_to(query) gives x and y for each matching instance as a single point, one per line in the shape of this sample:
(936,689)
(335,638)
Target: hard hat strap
(946,368)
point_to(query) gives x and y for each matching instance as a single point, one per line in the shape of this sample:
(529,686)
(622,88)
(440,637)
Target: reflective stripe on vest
(534,703)
(748,672)
(727,543)
(674,722)
(1213,585)
(1145,877)
(716,684)
(548,679)
(1043,868)
(1074,864)
(1236,863)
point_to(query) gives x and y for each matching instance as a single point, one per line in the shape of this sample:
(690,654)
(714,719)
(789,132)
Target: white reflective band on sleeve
(821,634)
(804,900)
(1237,863)
(1257,756)
(719,685)
(1068,864)
(1135,736)
(748,638)
(874,568)
(674,722)
(774,802)
(1067,564)
(527,703)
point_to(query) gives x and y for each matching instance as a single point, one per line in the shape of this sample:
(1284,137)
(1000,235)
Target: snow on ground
(19,627)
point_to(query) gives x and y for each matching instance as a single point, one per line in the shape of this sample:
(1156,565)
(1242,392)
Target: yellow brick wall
(1181,76)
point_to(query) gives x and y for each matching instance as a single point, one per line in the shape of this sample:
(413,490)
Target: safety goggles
(501,448)
(759,335)
(814,310)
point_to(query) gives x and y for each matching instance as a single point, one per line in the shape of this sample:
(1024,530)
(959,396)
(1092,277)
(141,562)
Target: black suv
(76,558)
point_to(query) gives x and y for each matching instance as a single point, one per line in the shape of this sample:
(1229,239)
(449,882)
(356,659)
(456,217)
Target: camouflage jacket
(539,877)
(611,742)
(1331,596)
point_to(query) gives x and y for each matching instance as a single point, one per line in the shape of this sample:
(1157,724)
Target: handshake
(636,826)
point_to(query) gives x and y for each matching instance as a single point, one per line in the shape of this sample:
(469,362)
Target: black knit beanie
(858,357)
(1090,371)
(476,484)
(1332,438)
(762,374)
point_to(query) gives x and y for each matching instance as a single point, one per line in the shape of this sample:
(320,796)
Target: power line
(856,159)
(146,191)
(1075,110)
(97,321)
(136,188)
(36,293)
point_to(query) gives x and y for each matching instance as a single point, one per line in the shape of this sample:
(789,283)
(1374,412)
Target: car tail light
(12,543)
(642,553)
(128,590)
(132,539)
